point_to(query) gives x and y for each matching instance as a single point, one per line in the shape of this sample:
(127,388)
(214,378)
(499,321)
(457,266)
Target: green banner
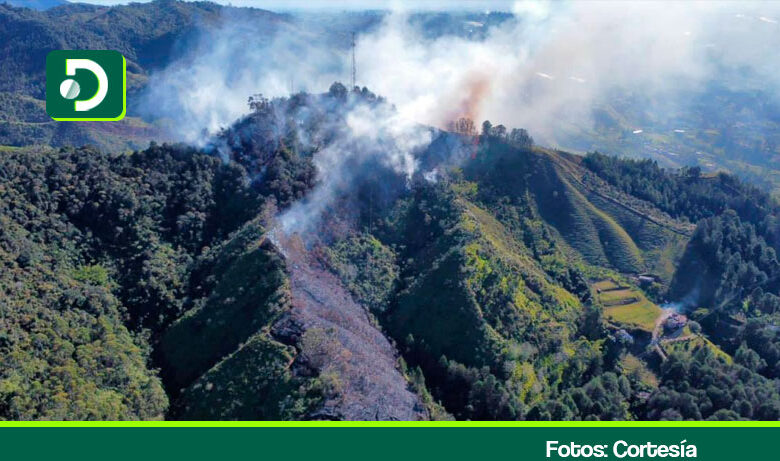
(471,441)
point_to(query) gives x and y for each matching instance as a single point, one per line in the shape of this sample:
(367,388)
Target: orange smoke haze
(469,97)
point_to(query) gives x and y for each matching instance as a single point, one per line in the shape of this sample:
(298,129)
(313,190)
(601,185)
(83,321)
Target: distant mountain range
(36,4)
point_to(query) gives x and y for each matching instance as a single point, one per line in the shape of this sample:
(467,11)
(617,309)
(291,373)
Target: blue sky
(505,5)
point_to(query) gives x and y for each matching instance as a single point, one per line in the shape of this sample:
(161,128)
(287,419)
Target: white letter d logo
(70,69)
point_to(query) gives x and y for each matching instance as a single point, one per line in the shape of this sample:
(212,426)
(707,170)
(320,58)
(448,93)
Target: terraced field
(625,306)
(604,285)
(617,297)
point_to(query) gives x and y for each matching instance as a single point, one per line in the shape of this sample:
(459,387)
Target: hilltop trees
(517,137)
(685,194)
(463,126)
(520,137)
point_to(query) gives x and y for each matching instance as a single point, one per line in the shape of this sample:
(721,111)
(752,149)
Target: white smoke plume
(545,69)
(371,134)
(207,89)
(550,67)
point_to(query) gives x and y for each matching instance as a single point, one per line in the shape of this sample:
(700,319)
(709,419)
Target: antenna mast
(354,70)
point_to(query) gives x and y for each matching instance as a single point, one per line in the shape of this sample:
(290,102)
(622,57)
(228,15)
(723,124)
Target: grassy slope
(482,296)
(553,182)
(625,306)
(641,314)
(632,235)
(515,253)
(635,368)
(641,237)
(613,297)
(693,344)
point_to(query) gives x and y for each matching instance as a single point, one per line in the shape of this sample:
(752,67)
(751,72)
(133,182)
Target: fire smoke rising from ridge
(544,69)
(372,135)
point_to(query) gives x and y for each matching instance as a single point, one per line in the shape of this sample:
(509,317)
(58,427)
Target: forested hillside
(728,276)
(516,282)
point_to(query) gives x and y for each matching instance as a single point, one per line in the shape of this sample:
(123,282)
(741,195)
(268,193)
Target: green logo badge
(85,85)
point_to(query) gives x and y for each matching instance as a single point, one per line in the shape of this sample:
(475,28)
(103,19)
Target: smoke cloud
(373,136)
(545,69)
(207,89)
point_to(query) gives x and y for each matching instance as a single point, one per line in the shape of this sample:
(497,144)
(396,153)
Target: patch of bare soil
(339,339)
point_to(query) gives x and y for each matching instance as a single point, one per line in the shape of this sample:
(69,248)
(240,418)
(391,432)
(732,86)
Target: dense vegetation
(459,246)
(685,194)
(155,284)
(703,386)
(730,268)
(101,254)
